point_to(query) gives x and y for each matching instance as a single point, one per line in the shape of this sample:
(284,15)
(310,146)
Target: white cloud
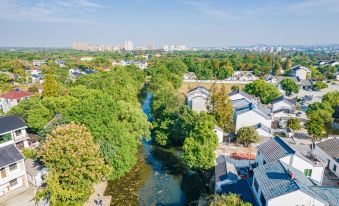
(72,11)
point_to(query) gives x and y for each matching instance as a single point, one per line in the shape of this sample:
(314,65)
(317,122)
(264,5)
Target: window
(13,167)
(5,137)
(18,132)
(3,172)
(334,167)
(256,185)
(262,200)
(13,182)
(308,172)
(263,162)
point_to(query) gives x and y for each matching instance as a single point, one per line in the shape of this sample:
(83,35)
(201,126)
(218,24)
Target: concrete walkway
(25,198)
(99,189)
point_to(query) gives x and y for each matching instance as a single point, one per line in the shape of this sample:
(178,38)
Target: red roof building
(16,94)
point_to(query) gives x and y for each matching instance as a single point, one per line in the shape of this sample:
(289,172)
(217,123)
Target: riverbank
(160,177)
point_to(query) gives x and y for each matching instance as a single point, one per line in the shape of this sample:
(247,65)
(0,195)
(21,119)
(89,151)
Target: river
(159,177)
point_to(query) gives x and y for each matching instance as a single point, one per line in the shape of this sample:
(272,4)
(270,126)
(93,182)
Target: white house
(333,63)
(12,170)
(198,99)
(250,116)
(276,149)
(328,151)
(300,72)
(13,131)
(37,63)
(220,134)
(86,59)
(278,184)
(10,99)
(283,108)
(61,63)
(239,94)
(35,172)
(190,76)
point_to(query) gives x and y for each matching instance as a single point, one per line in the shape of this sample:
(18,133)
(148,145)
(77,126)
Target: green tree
(247,136)
(74,163)
(294,124)
(315,128)
(50,86)
(235,88)
(222,109)
(276,70)
(199,146)
(287,65)
(228,200)
(265,91)
(289,86)
(319,86)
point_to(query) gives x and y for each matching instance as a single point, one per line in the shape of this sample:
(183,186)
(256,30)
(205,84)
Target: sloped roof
(274,149)
(263,127)
(283,99)
(18,94)
(274,180)
(331,147)
(255,108)
(240,92)
(10,123)
(329,194)
(9,155)
(199,88)
(241,103)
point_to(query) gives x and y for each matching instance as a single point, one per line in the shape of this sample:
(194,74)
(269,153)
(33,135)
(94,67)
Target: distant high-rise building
(129,45)
(150,46)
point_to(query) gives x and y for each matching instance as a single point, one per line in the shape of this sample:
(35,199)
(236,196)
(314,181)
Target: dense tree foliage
(294,124)
(199,146)
(289,86)
(265,91)
(74,164)
(319,86)
(222,109)
(247,136)
(228,200)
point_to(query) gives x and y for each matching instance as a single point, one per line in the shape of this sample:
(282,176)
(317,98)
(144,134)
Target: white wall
(302,74)
(199,104)
(300,165)
(295,198)
(220,135)
(280,105)
(251,118)
(236,97)
(326,158)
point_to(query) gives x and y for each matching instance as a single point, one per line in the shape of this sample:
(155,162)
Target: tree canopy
(289,86)
(265,91)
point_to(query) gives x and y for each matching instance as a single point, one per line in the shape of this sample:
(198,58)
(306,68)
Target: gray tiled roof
(241,103)
(274,180)
(275,149)
(253,107)
(331,147)
(9,154)
(329,194)
(240,92)
(283,99)
(10,123)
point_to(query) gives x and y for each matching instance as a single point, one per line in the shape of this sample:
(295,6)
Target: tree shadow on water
(171,163)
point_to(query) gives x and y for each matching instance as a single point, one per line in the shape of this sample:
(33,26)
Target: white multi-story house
(13,131)
(300,72)
(279,184)
(276,149)
(253,116)
(12,168)
(328,151)
(10,99)
(283,108)
(333,63)
(12,171)
(198,99)
(37,63)
(61,63)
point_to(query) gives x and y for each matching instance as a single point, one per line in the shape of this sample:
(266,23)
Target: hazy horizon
(195,23)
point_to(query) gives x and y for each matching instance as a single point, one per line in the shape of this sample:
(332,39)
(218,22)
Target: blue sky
(191,22)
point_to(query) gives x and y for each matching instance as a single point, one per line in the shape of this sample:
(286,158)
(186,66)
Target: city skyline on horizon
(195,23)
